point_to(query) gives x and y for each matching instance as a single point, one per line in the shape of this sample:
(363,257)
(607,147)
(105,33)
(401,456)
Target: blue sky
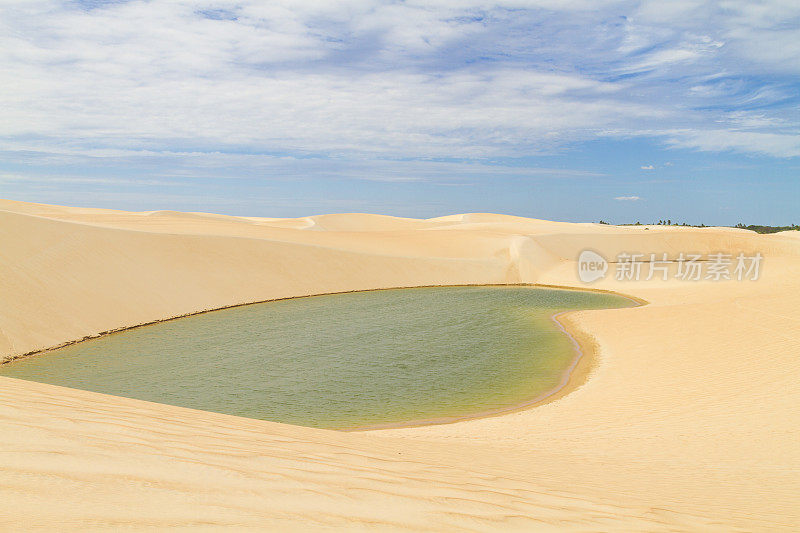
(569,110)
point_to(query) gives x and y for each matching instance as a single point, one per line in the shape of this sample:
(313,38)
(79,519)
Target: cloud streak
(414,79)
(258,104)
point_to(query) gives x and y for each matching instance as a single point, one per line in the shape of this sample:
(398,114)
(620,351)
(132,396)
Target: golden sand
(687,417)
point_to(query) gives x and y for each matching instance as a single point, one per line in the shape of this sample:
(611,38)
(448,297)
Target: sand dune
(688,419)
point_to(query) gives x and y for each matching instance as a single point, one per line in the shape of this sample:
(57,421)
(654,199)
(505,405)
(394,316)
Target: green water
(338,361)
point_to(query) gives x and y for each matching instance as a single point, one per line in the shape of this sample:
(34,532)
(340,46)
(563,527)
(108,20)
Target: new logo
(591,266)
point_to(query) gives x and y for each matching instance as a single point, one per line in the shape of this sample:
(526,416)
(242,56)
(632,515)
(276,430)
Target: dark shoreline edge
(573,377)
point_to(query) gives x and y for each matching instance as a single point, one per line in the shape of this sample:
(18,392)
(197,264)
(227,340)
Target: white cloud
(627,198)
(772,144)
(647,167)
(365,78)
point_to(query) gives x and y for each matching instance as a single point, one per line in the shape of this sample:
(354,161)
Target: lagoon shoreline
(582,353)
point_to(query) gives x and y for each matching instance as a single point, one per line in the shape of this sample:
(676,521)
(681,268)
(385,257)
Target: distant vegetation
(757,229)
(769,229)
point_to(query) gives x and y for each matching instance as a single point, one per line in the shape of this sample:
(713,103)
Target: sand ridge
(688,420)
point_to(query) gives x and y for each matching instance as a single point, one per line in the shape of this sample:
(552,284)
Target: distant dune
(688,420)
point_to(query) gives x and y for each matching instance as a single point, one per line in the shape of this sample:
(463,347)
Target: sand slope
(688,420)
